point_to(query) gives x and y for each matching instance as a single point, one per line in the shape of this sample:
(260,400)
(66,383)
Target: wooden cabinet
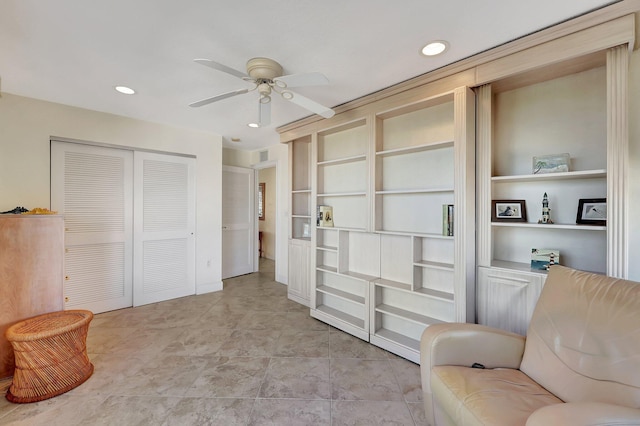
(31,273)
(299,271)
(506,298)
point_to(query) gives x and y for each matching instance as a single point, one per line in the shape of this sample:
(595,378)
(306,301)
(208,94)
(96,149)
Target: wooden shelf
(355,322)
(300,216)
(343,194)
(437,294)
(382,282)
(549,226)
(413,234)
(414,191)
(338,228)
(345,160)
(406,315)
(416,148)
(301,191)
(302,238)
(341,294)
(584,174)
(359,276)
(327,248)
(325,268)
(434,265)
(398,338)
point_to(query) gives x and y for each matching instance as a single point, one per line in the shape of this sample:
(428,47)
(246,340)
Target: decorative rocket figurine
(545,210)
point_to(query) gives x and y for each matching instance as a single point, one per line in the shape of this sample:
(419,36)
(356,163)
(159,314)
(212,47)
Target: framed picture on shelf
(542,259)
(508,211)
(592,211)
(556,163)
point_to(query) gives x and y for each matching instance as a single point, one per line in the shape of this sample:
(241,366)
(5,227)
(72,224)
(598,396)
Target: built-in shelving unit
(384,272)
(416,149)
(301,220)
(388,163)
(561,113)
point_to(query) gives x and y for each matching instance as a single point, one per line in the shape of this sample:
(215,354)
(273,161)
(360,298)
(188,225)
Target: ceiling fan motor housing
(263,69)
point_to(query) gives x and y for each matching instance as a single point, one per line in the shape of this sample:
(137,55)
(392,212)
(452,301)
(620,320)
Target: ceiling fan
(267,77)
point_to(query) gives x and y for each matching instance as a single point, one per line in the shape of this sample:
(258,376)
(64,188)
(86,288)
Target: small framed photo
(556,163)
(508,211)
(592,211)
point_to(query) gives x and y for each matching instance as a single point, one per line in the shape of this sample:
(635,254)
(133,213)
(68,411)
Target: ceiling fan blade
(219,97)
(306,79)
(307,103)
(264,114)
(217,66)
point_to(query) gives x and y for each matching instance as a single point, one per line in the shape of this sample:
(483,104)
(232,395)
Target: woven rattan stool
(51,355)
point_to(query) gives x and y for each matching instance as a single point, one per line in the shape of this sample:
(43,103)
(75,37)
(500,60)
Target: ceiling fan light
(265,99)
(435,48)
(287,95)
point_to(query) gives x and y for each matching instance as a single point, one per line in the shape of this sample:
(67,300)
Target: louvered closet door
(164,227)
(92,187)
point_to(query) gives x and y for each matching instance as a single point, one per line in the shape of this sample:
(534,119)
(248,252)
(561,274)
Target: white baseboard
(209,287)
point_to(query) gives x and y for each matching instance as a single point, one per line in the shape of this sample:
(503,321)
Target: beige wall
(26,126)
(268,225)
(236,157)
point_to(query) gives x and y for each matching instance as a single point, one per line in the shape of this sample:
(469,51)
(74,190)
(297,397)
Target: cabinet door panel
(506,299)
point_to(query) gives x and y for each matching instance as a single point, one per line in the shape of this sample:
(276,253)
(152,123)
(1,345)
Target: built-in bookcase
(558,112)
(389,162)
(384,272)
(301,220)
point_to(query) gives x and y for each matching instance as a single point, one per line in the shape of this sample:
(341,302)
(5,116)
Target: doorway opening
(266,212)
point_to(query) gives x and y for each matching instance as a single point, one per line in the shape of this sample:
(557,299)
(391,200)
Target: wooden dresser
(31,273)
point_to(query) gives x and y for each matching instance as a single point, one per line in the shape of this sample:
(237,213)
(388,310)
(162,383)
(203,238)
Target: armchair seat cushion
(474,396)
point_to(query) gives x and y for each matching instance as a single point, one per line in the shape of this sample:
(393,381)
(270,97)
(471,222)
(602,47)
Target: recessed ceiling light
(125,90)
(234,139)
(253,125)
(435,48)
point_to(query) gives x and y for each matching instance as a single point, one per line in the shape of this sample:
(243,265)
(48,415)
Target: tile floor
(243,356)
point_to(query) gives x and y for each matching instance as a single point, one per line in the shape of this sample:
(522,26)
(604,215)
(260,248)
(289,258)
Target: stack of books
(447,220)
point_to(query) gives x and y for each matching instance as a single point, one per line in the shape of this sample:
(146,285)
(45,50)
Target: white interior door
(91,187)
(164,227)
(238,221)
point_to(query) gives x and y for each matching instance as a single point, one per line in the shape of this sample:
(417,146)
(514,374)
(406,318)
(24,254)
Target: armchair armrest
(584,413)
(465,344)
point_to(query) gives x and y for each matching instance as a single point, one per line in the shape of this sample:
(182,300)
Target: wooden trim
(585,42)
(617,161)
(483,174)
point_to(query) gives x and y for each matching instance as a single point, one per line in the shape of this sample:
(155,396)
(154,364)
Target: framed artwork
(508,211)
(556,163)
(261,190)
(592,211)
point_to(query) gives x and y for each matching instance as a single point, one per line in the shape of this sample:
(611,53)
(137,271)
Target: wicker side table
(51,355)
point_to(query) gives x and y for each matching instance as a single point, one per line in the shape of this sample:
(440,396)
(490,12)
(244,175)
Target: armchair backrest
(583,342)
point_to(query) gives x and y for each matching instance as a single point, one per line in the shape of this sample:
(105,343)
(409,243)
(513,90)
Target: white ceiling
(75,51)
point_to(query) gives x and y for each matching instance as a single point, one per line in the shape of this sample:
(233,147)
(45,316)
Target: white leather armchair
(578,365)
